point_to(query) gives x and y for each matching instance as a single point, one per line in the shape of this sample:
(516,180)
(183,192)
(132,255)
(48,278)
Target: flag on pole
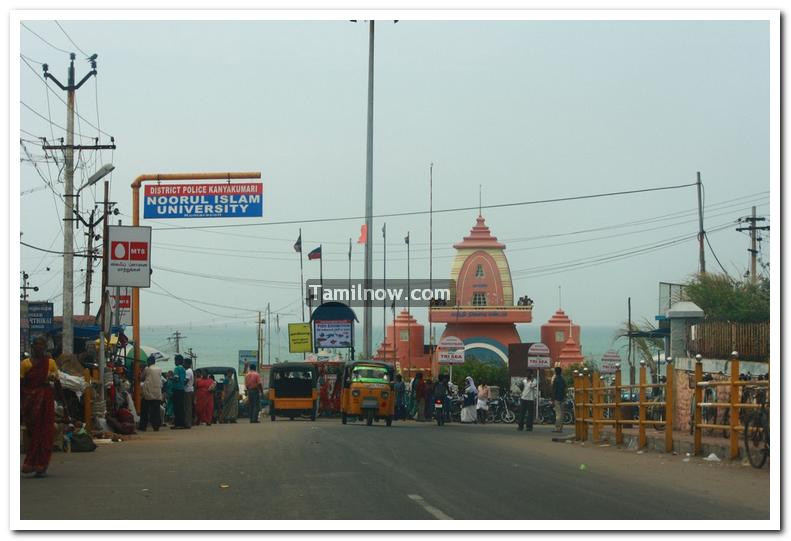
(384,231)
(298,244)
(315,253)
(406,239)
(363,234)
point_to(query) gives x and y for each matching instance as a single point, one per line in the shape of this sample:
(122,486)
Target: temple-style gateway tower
(481,311)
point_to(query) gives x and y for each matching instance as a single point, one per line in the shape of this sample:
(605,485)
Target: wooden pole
(596,384)
(617,412)
(734,420)
(669,406)
(698,410)
(642,441)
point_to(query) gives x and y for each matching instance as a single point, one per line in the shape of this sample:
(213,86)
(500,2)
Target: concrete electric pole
(753,229)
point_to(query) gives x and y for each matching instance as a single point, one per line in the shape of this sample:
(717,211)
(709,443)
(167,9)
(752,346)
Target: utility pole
(24,287)
(192,356)
(369,198)
(68,229)
(753,228)
(701,231)
(104,336)
(259,354)
(177,337)
(268,334)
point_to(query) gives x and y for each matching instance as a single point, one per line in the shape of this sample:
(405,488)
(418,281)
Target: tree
(723,299)
(568,372)
(644,348)
(492,374)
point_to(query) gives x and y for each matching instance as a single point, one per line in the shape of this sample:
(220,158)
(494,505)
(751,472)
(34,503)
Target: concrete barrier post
(641,438)
(735,400)
(617,412)
(669,406)
(698,408)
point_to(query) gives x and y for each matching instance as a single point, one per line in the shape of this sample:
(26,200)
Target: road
(297,470)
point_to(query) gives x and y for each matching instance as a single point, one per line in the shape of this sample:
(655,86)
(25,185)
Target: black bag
(81,442)
(469,399)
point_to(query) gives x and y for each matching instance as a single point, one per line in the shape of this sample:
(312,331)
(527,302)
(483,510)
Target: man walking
(151,390)
(420,396)
(189,394)
(400,393)
(527,405)
(252,382)
(558,396)
(179,378)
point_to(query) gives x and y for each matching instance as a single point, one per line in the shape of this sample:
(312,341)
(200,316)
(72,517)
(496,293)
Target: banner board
(538,356)
(129,263)
(450,350)
(249,356)
(299,339)
(226,200)
(121,304)
(39,317)
(609,362)
(333,334)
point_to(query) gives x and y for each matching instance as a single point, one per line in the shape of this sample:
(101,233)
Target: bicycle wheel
(756,439)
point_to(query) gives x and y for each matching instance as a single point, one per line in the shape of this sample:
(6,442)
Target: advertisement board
(129,263)
(609,362)
(333,334)
(450,351)
(299,339)
(121,303)
(39,317)
(226,200)
(538,356)
(249,356)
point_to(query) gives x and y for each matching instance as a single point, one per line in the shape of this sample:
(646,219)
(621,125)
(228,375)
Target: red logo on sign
(138,251)
(129,251)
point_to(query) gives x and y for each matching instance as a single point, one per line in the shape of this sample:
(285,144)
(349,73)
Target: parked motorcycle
(439,411)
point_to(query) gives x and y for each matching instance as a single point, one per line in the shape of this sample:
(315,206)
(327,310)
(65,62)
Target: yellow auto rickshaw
(293,391)
(368,392)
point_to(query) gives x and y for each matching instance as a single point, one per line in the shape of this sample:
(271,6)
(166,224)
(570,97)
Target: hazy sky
(528,110)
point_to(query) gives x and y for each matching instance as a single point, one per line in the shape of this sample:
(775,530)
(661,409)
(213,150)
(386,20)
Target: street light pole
(369,182)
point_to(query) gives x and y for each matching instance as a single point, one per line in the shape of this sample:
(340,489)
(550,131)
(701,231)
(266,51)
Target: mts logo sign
(129,251)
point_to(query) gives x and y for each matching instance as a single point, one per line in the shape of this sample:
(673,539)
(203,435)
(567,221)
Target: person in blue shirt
(179,380)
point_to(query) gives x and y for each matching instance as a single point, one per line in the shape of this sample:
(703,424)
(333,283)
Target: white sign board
(451,356)
(538,356)
(450,350)
(122,304)
(609,362)
(129,261)
(333,334)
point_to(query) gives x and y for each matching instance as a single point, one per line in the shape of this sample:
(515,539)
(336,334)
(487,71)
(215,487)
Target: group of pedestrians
(528,402)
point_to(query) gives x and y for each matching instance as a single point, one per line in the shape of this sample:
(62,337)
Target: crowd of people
(416,399)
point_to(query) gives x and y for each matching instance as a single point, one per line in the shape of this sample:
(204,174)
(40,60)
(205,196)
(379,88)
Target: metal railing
(597,404)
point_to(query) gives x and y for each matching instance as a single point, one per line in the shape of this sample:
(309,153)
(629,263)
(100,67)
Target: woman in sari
(470,397)
(38,407)
(230,398)
(204,398)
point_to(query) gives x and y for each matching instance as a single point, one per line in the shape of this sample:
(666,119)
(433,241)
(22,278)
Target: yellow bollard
(735,400)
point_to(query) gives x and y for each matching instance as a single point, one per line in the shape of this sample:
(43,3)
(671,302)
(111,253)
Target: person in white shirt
(527,405)
(151,389)
(189,393)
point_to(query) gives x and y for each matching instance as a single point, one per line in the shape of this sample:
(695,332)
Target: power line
(71,40)
(716,258)
(50,251)
(440,211)
(42,39)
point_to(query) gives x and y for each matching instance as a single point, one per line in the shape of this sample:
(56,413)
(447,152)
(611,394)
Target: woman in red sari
(204,398)
(38,407)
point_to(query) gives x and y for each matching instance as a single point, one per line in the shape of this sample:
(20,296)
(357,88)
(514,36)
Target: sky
(516,111)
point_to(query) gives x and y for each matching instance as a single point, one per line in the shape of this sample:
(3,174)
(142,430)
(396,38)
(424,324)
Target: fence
(597,405)
(734,406)
(717,339)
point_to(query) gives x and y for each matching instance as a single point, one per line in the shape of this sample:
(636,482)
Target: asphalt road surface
(297,470)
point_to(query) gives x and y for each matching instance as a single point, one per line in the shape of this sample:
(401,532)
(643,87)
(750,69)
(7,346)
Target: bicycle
(756,434)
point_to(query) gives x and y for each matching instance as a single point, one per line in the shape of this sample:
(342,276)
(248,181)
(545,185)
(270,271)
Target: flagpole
(408,309)
(384,281)
(431,253)
(350,265)
(301,279)
(321,271)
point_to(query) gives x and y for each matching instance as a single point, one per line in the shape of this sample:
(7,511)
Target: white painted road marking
(436,513)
